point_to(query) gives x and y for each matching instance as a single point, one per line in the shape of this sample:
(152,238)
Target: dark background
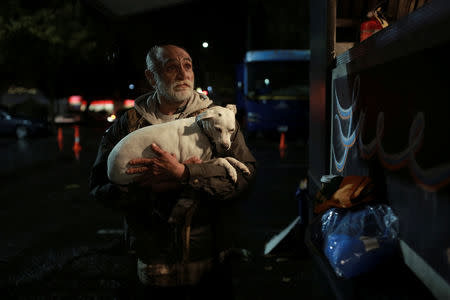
(82,47)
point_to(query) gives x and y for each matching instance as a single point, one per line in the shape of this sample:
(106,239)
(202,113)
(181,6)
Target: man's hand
(165,165)
(160,172)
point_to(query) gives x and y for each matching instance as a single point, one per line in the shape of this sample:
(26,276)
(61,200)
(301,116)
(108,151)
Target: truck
(273,91)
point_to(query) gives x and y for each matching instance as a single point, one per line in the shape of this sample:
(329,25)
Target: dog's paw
(245,170)
(233,175)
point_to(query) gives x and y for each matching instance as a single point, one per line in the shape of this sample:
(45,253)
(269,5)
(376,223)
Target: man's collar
(181,109)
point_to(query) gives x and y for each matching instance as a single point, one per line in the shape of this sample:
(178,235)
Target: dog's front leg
(224,163)
(233,161)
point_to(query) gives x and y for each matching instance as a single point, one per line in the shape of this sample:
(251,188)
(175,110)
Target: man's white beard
(168,92)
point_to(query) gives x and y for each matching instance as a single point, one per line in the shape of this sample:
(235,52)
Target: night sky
(230,27)
(111,53)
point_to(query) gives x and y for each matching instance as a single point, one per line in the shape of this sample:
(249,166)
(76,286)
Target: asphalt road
(56,242)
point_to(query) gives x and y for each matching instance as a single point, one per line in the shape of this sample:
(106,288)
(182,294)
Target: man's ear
(232,107)
(150,77)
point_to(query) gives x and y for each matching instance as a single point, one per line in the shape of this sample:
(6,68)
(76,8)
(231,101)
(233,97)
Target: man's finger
(136,170)
(157,150)
(140,161)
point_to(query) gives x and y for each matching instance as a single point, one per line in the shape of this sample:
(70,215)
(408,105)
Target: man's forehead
(173,53)
(178,59)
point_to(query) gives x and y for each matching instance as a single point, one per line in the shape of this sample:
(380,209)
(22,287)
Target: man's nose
(182,73)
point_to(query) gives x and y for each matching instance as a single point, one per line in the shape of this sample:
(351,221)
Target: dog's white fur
(184,138)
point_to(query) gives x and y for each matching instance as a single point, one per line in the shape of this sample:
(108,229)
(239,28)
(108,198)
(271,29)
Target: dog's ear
(232,107)
(204,115)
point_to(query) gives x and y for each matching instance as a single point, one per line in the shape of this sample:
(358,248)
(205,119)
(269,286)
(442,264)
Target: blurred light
(101,102)
(209,88)
(75,100)
(266,81)
(205,44)
(100,105)
(83,105)
(205,92)
(128,103)
(199,90)
(111,118)
(131,86)
(76,103)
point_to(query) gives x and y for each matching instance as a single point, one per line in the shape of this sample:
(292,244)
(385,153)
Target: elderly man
(176,212)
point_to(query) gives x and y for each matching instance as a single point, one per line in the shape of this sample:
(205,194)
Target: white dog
(184,138)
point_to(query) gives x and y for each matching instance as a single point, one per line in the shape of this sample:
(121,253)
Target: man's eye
(218,129)
(171,68)
(188,66)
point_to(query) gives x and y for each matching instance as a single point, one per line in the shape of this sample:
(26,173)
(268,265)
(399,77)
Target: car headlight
(111,118)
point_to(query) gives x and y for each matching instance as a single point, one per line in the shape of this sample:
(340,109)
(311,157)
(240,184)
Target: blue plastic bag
(355,241)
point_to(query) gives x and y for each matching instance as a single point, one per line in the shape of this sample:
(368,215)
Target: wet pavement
(56,242)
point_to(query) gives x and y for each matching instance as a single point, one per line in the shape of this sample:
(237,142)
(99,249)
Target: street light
(205,44)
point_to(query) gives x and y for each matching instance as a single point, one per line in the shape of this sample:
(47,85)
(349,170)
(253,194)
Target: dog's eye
(230,130)
(218,129)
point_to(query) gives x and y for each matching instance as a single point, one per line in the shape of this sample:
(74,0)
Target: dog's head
(219,124)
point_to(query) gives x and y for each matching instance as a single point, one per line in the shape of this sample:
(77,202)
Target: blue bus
(273,91)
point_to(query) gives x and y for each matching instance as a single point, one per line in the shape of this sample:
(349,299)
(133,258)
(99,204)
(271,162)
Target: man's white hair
(153,59)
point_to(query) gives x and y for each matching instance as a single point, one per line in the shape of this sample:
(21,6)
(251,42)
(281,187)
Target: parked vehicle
(273,90)
(22,127)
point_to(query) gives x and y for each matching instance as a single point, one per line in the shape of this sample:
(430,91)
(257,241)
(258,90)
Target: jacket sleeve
(100,188)
(214,180)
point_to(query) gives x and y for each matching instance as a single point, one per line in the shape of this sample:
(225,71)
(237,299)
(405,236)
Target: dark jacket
(147,213)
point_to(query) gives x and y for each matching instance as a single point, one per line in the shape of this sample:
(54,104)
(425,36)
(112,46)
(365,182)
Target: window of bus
(278,78)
